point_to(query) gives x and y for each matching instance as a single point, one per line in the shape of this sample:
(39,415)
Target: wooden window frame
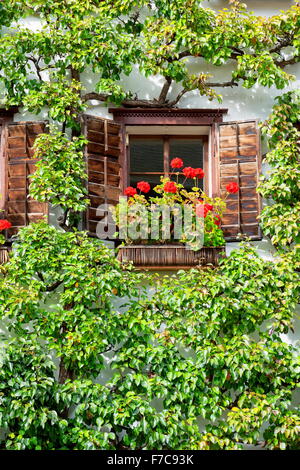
(171,117)
(166,153)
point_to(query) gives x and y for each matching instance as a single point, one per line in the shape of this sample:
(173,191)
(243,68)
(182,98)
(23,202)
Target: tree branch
(285,42)
(95,96)
(165,90)
(231,83)
(236,53)
(53,286)
(284,63)
(62,221)
(162,102)
(37,67)
(179,96)
(135,103)
(75,74)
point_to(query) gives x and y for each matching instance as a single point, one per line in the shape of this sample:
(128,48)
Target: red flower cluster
(143,186)
(199,173)
(170,187)
(203,209)
(232,188)
(4,224)
(189,172)
(217,220)
(130,191)
(176,163)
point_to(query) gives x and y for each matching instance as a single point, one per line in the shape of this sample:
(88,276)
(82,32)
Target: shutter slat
(103,157)
(239,161)
(20,209)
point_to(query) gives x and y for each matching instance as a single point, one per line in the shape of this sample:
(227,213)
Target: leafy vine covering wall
(184,355)
(280,219)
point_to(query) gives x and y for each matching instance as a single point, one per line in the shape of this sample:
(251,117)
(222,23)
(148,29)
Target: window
(150,157)
(234,155)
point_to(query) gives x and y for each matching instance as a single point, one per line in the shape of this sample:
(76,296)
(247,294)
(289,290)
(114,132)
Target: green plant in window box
(204,213)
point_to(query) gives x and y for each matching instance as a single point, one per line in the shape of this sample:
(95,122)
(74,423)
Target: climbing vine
(179,370)
(281,186)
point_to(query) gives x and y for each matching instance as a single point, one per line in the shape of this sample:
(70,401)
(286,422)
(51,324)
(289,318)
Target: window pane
(191,152)
(146,155)
(153,180)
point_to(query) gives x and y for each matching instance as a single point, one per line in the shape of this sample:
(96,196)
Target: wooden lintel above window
(8,114)
(163,116)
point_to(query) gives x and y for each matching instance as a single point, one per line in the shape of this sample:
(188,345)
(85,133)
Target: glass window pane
(153,180)
(191,152)
(146,155)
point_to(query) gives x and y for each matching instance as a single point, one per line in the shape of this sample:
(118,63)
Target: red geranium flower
(176,163)
(4,224)
(143,186)
(189,172)
(130,191)
(170,187)
(199,173)
(203,209)
(232,188)
(217,220)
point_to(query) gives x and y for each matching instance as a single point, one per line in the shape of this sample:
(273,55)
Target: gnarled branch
(162,102)
(283,63)
(165,89)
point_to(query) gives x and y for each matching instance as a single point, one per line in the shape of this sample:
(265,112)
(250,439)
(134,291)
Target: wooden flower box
(170,256)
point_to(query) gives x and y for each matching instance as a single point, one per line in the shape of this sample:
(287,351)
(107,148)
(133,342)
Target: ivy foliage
(43,67)
(9,12)
(281,186)
(60,172)
(180,370)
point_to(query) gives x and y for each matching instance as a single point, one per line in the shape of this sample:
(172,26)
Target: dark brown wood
(166,155)
(2,168)
(8,114)
(239,160)
(214,172)
(168,256)
(104,160)
(162,116)
(18,154)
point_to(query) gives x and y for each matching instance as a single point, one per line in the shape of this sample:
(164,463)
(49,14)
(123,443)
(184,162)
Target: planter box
(170,256)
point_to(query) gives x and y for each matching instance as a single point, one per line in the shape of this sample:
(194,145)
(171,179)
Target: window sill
(170,257)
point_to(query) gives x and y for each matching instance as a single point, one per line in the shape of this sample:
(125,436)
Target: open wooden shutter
(20,209)
(240,161)
(103,156)
(2,169)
